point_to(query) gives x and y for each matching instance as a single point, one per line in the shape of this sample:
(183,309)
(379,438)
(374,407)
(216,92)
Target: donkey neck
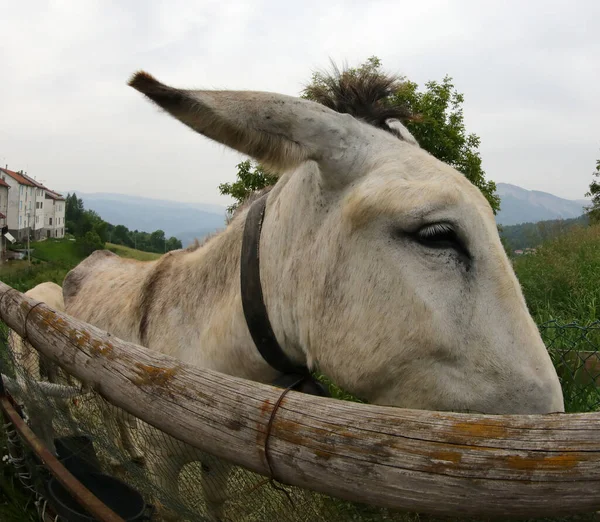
(224,341)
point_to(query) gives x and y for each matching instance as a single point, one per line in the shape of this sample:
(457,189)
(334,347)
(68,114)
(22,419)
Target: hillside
(531,235)
(518,205)
(52,259)
(185,221)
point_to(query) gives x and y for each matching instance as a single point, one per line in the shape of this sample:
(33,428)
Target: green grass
(52,259)
(561,280)
(61,252)
(561,284)
(132,253)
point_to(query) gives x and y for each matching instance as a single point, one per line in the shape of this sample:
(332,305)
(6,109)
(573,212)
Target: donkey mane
(361,93)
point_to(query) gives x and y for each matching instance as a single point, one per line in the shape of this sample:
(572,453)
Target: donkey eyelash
(435,229)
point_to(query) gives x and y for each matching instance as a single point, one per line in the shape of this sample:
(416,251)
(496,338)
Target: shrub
(89,243)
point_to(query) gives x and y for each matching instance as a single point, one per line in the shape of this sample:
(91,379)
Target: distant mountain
(519,205)
(185,221)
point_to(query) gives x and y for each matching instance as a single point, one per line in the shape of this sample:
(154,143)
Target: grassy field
(562,280)
(124,251)
(52,259)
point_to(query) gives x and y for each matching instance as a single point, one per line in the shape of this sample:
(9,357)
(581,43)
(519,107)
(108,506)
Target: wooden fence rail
(430,462)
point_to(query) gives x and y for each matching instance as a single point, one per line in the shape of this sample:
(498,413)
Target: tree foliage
(249,178)
(437,124)
(593,211)
(89,243)
(92,232)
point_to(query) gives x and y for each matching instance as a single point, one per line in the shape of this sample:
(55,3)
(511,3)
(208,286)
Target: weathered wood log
(431,462)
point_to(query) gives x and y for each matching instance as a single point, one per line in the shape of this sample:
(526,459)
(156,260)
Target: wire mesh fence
(144,474)
(575,352)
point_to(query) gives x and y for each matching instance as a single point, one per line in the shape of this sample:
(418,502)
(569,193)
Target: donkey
(25,355)
(380,265)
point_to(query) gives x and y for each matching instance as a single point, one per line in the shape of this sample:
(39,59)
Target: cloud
(528,72)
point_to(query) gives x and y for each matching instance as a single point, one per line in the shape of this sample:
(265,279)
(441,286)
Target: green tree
(593,211)
(121,236)
(89,242)
(157,241)
(173,244)
(73,212)
(249,179)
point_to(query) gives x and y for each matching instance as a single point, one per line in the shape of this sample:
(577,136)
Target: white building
(38,214)
(32,209)
(3,215)
(21,209)
(54,214)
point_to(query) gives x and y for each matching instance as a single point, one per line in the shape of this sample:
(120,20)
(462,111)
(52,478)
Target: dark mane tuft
(362,93)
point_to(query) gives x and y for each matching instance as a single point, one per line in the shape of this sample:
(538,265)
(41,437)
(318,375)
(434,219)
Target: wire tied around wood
(26,336)
(272,478)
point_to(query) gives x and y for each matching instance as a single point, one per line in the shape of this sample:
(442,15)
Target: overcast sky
(529,70)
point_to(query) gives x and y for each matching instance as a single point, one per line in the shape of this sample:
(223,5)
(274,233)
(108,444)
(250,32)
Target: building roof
(54,195)
(3,183)
(35,183)
(18,177)
(24,179)
(2,216)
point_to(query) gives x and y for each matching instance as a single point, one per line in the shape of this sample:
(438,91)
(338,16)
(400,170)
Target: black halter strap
(255,311)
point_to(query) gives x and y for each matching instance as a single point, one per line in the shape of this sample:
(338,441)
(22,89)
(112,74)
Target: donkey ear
(279,131)
(397,127)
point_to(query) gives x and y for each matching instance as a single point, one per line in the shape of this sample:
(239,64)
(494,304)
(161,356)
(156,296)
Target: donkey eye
(440,235)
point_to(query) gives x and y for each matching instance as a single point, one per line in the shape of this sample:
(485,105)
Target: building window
(20,205)
(50,221)
(20,221)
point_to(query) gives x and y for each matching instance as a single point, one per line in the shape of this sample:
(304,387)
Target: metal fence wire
(575,352)
(116,467)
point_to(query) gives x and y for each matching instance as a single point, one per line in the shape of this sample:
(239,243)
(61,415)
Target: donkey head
(380,265)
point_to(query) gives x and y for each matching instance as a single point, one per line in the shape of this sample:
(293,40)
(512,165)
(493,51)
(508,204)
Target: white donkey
(379,265)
